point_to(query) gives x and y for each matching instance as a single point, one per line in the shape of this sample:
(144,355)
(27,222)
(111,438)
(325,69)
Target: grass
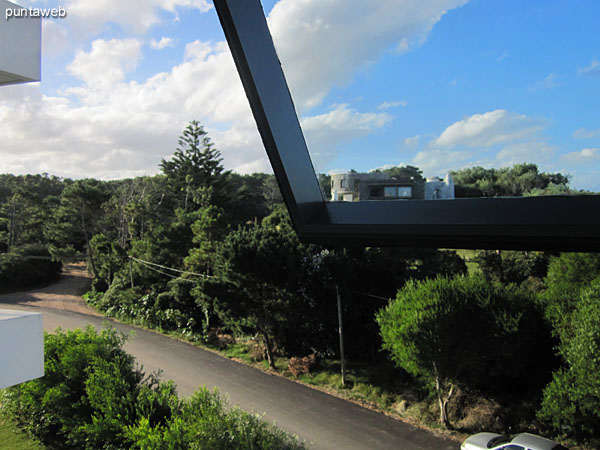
(469,256)
(12,438)
(382,389)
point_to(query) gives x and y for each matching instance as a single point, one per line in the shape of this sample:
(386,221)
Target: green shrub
(93,397)
(87,394)
(479,334)
(204,422)
(28,265)
(571,404)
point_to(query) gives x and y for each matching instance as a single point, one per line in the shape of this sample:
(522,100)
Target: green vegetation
(467,332)
(203,253)
(92,396)
(519,180)
(13,438)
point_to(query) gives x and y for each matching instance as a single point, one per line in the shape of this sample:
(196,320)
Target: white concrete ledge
(21,347)
(20,46)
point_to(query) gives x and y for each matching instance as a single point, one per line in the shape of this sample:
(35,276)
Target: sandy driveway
(64,295)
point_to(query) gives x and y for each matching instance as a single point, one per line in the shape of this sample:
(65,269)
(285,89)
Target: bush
(567,275)
(482,335)
(28,265)
(205,422)
(571,404)
(87,393)
(93,397)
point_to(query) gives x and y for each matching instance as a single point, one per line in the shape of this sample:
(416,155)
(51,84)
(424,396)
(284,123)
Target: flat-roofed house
(354,186)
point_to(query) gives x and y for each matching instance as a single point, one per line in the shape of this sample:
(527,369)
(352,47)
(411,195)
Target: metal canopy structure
(20,47)
(549,222)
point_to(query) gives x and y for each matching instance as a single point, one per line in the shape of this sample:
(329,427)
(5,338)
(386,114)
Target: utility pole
(341,331)
(131,272)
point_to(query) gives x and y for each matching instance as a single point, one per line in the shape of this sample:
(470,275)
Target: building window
(390,191)
(405,192)
(376,192)
(343,183)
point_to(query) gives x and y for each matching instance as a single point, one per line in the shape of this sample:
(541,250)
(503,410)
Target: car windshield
(498,441)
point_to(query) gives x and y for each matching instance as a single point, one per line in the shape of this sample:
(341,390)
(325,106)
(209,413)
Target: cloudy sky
(440,84)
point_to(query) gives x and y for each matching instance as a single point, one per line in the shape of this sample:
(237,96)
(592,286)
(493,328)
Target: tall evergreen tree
(196,164)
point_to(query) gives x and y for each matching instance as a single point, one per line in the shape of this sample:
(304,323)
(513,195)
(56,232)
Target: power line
(365,293)
(148,263)
(161,272)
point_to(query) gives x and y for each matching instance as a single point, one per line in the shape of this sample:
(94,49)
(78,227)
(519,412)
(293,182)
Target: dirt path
(64,295)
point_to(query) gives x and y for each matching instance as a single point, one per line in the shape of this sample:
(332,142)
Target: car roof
(533,441)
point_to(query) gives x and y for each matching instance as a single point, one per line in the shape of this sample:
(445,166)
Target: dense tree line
(199,249)
(516,181)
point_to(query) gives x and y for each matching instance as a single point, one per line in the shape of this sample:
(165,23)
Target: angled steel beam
(550,222)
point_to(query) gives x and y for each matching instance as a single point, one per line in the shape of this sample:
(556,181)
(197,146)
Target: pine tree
(195,166)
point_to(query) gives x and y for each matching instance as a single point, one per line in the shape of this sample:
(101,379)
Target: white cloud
(387,166)
(488,129)
(325,132)
(110,127)
(582,157)
(164,42)
(55,38)
(592,69)
(394,104)
(533,152)
(412,141)
(106,63)
(439,162)
(583,133)
(550,82)
(90,16)
(322,43)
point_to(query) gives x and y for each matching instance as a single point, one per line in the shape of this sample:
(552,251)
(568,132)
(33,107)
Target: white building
(354,186)
(21,333)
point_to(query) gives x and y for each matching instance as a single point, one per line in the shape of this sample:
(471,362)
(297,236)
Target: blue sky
(440,84)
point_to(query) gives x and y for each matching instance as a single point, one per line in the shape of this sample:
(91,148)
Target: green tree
(195,164)
(27,203)
(464,331)
(568,273)
(260,265)
(571,403)
(513,266)
(405,173)
(519,180)
(79,217)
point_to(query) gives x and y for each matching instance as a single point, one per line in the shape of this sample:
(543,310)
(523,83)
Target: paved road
(323,421)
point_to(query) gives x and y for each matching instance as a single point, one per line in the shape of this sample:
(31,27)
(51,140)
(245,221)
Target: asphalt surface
(321,420)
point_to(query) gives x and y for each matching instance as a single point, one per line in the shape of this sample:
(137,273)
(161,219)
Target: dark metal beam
(558,222)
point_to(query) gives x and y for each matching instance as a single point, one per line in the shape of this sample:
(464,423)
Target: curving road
(323,421)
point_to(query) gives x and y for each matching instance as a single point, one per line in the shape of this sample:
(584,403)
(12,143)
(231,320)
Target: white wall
(20,47)
(21,347)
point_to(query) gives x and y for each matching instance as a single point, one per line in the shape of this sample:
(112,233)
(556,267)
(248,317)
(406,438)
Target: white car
(521,441)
